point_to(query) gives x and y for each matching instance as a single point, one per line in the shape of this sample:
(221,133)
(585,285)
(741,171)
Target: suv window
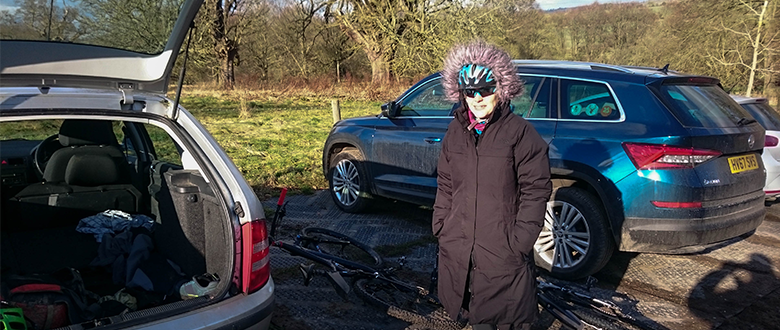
(765,115)
(702,105)
(534,102)
(587,100)
(427,100)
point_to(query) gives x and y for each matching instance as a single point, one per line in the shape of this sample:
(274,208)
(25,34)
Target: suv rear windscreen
(765,115)
(703,105)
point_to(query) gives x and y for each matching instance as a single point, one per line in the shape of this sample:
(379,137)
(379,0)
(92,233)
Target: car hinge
(175,109)
(127,93)
(238,209)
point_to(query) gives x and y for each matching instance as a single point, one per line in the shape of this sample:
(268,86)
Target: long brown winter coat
(490,208)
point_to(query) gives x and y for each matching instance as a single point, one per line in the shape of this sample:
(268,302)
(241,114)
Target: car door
(406,147)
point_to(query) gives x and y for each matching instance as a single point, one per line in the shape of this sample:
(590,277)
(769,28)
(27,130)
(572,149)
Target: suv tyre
(575,240)
(348,181)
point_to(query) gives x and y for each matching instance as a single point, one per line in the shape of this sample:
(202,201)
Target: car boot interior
(125,216)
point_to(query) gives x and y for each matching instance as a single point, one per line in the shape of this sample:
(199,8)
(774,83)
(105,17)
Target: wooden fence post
(334,105)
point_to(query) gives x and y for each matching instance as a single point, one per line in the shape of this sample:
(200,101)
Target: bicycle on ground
(337,256)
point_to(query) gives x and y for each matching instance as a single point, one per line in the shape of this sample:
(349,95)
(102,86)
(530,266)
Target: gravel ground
(732,285)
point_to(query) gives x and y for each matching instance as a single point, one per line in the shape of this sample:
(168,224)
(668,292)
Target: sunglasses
(484,91)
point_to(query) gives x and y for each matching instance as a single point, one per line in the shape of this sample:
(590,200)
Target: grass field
(275,141)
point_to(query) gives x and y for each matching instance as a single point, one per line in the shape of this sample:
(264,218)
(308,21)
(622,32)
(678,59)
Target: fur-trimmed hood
(481,53)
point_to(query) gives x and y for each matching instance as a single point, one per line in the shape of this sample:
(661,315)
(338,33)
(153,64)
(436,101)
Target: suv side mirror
(390,109)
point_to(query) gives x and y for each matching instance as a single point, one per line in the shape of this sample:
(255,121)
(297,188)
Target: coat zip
(474,242)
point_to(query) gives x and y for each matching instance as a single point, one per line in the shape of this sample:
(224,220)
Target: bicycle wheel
(337,244)
(405,302)
(592,317)
(597,319)
(548,302)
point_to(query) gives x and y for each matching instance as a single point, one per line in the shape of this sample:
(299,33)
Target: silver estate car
(105,177)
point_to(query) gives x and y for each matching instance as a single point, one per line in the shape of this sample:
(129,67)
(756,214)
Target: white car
(768,117)
(116,199)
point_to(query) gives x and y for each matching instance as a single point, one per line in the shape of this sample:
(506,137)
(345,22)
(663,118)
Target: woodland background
(261,74)
(279,44)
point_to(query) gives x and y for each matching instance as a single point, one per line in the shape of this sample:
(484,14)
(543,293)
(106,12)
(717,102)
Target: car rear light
(660,156)
(255,259)
(771,141)
(677,205)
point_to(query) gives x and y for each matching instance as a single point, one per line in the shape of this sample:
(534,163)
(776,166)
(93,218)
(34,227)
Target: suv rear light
(255,259)
(660,156)
(771,141)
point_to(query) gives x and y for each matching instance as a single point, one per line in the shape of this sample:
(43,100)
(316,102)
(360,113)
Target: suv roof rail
(573,65)
(639,67)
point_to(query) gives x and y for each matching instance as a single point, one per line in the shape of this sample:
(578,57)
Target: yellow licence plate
(743,163)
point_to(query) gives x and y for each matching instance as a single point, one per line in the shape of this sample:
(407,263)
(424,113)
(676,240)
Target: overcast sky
(553,4)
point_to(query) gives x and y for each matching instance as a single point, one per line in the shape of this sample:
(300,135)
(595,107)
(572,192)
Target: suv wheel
(575,241)
(348,181)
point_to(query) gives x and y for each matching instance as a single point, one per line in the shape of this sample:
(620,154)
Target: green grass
(279,143)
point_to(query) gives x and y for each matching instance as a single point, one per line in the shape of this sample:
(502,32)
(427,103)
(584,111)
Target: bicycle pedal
(308,273)
(590,282)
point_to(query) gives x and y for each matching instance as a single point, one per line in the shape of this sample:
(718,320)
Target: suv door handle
(432,140)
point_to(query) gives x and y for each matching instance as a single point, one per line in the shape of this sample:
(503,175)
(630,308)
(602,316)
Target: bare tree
(301,27)
(42,20)
(379,26)
(228,25)
(752,43)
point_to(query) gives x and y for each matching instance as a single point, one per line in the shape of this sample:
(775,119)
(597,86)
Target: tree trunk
(756,50)
(226,74)
(380,52)
(380,70)
(225,49)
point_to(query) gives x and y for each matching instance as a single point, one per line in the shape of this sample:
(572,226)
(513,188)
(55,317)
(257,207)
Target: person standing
(493,186)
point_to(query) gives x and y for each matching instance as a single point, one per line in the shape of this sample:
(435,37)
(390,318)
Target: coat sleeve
(533,179)
(441,207)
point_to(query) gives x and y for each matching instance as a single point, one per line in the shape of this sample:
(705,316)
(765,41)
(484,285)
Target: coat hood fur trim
(481,53)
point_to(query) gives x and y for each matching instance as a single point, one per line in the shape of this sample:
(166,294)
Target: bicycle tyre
(592,316)
(407,303)
(561,313)
(354,250)
(600,320)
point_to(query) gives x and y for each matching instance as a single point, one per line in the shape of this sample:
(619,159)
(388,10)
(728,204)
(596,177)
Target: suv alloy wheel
(348,184)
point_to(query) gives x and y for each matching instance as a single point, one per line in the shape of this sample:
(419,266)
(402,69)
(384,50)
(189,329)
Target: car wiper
(745,121)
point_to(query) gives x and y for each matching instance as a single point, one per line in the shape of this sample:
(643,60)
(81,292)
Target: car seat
(88,175)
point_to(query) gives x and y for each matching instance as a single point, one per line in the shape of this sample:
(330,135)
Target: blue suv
(643,159)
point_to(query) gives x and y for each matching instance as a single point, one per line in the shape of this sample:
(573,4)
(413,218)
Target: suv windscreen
(765,115)
(705,106)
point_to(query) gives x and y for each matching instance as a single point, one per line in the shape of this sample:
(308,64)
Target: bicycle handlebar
(281,197)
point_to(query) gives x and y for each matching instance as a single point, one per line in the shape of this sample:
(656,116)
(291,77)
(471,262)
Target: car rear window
(587,100)
(765,115)
(703,105)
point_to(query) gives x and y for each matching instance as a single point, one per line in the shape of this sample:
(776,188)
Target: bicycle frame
(338,268)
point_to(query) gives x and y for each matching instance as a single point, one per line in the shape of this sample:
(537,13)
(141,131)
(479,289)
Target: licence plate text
(743,163)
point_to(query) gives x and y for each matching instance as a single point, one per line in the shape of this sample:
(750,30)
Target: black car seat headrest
(75,132)
(91,170)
